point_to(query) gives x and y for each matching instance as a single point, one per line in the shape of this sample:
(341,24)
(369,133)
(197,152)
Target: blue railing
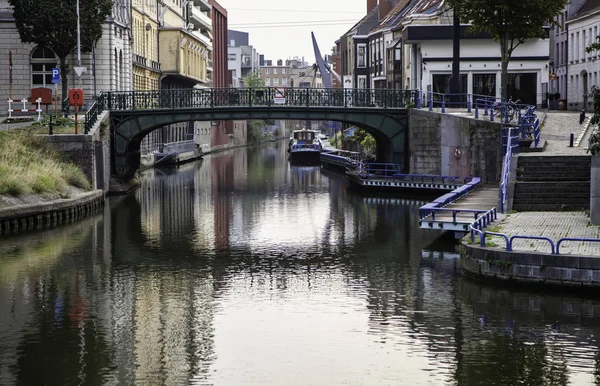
(485,106)
(439,203)
(372,170)
(478,225)
(512,147)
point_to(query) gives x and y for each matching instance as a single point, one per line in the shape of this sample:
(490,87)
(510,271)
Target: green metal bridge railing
(248,97)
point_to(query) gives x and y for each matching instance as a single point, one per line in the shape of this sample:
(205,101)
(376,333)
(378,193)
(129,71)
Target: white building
(430,55)
(559,50)
(108,67)
(583,27)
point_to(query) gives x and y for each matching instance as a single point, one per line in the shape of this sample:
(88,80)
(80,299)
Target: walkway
(556,130)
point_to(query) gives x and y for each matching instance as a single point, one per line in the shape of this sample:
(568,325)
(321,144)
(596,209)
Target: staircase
(552,183)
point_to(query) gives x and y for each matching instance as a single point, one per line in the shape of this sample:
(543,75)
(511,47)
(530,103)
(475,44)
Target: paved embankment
(574,263)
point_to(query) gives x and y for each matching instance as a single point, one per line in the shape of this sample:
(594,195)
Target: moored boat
(304,146)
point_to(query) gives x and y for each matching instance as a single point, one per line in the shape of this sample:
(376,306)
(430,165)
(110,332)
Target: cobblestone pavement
(554,225)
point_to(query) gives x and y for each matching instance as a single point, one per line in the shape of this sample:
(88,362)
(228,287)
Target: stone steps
(552,183)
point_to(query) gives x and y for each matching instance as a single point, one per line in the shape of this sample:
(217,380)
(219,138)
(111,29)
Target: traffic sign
(79,70)
(55,75)
(279,92)
(279,98)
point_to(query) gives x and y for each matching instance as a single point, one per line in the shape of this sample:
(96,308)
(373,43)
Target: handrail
(443,201)
(559,242)
(477,228)
(506,169)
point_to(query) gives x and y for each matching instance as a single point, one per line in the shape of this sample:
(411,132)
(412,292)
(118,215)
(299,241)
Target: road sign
(279,98)
(55,75)
(279,92)
(79,70)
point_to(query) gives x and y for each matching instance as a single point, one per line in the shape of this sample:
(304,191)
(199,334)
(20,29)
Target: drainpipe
(566,97)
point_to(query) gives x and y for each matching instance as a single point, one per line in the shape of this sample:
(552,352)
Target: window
(267,70)
(284,71)
(362,81)
(284,81)
(231,57)
(268,82)
(275,81)
(362,56)
(275,71)
(42,62)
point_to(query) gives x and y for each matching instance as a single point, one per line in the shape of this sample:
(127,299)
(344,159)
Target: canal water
(242,269)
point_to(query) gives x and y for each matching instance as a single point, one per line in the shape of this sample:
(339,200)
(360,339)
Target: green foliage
(594,140)
(365,141)
(253,81)
(53,24)
(28,164)
(509,22)
(595,46)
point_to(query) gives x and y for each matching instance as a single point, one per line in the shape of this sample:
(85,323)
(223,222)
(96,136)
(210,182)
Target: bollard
(571,140)
(50,126)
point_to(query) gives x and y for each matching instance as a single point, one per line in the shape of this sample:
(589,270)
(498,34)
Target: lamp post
(78,37)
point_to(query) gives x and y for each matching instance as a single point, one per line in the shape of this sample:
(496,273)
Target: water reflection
(242,269)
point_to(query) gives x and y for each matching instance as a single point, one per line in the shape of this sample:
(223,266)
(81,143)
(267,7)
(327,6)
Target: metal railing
(440,203)
(266,96)
(512,147)
(478,225)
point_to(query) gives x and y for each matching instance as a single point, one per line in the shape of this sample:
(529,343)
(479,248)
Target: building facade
(108,65)
(582,27)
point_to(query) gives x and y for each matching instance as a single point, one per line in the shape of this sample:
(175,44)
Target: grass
(29,165)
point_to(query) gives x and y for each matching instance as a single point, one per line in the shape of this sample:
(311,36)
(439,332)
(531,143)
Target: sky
(280,29)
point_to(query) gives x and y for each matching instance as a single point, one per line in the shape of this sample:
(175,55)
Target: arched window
(42,61)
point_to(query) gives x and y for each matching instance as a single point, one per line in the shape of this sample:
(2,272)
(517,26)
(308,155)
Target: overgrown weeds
(29,165)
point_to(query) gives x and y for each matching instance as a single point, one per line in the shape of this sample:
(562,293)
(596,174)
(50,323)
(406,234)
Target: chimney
(385,7)
(371,4)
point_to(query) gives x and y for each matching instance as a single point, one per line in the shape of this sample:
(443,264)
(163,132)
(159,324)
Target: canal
(241,269)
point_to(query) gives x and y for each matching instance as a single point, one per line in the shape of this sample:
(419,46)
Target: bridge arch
(388,126)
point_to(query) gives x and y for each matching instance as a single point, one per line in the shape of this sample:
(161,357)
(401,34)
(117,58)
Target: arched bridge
(135,114)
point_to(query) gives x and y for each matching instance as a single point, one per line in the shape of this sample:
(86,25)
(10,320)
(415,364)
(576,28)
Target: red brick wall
(220,73)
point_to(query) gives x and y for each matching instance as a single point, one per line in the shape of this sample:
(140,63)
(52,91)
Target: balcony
(181,53)
(204,39)
(203,4)
(199,19)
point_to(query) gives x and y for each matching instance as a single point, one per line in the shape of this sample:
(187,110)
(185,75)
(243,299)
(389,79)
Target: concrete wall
(566,270)
(90,152)
(454,145)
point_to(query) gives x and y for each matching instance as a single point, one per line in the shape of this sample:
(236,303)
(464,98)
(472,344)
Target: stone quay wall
(453,145)
(529,267)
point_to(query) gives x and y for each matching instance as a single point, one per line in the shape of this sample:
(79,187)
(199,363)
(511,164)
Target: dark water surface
(243,270)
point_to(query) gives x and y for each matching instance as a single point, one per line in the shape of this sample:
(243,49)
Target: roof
(390,17)
(367,17)
(588,7)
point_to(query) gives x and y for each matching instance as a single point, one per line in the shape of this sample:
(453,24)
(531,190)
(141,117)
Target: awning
(393,43)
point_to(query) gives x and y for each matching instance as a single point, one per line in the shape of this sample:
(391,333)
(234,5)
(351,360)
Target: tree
(254,126)
(594,140)
(509,22)
(595,46)
(53,24)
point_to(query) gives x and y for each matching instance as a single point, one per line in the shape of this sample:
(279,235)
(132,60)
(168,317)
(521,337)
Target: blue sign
(55,75)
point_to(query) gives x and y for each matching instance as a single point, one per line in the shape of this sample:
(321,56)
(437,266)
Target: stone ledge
(530,267)
(19,211)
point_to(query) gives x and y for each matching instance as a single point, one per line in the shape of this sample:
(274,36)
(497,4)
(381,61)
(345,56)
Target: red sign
(76,97)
